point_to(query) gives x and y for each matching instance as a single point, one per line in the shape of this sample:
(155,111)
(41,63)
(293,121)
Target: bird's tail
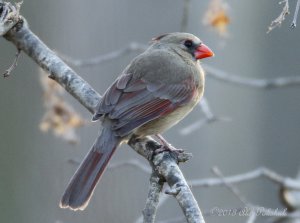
(85,179)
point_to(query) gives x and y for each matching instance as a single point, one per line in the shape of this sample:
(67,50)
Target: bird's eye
(188,43)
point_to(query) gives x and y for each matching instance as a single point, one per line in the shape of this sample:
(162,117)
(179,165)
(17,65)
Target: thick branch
(165,164)
(155,187)
(179,187)
(25,40)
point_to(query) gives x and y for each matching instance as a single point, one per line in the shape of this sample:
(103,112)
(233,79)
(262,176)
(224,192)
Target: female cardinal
(154,92)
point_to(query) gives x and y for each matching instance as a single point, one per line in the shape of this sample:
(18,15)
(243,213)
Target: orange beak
(203,51)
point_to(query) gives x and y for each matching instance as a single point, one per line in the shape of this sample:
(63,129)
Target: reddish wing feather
(131,103)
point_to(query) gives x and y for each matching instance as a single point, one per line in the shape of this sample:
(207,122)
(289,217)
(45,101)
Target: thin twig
(131,47)
(294,23)
(253,210)
(112,166)
(133,162)
(240,178)
(231,187)
(236,192)
(251,82)
(278,21)
(206,109)
(13,65)
(209,117)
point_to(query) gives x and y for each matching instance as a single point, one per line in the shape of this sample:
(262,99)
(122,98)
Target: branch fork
(165,167)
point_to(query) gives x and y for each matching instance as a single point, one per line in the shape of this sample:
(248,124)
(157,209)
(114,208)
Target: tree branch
(252,215)
(294,23)
(112,166)
(13,65)
(133,162)
(279,20)
(209,117)
(131,47)
(22,37)
(164,164)
(155,187)
(259,172)
(251,82)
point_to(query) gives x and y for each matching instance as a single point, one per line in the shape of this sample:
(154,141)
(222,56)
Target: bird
(154,92)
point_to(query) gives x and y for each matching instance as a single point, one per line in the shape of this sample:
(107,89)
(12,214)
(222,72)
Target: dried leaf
(217,17)
(60,117)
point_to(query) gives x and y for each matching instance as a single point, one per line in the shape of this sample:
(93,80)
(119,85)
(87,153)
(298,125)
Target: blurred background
(263,131)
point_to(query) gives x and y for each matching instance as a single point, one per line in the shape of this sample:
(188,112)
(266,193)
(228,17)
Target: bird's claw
(168,148)
(165,146)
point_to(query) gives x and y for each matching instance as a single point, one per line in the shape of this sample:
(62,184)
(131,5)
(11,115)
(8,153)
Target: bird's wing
(130,102)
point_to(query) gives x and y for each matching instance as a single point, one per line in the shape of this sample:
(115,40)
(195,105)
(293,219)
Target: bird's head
(186,43)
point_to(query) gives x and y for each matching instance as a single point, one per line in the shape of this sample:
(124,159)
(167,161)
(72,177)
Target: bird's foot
(165,146)
(168,148)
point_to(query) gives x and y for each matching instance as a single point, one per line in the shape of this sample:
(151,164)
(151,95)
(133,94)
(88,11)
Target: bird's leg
(166,146)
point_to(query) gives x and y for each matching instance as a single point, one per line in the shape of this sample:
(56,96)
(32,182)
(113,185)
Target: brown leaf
(217,17)
(60,117)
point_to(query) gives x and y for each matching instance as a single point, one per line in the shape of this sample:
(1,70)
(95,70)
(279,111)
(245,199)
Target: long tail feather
(85,179)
